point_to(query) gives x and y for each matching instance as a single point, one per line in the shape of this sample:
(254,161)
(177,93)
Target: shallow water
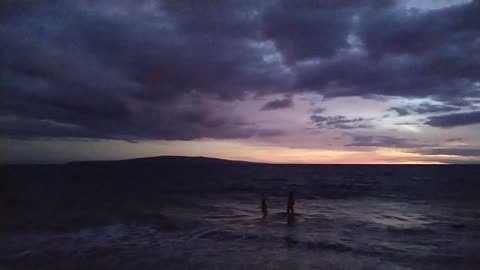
(352,223)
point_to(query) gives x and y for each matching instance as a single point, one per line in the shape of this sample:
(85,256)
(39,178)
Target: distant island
(169,160)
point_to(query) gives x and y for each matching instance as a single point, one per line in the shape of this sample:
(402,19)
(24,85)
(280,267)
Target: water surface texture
(208,216)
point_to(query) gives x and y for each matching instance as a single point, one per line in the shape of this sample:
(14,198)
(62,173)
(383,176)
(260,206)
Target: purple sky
(276,81)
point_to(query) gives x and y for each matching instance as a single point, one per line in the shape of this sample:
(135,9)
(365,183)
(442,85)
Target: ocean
(207,215)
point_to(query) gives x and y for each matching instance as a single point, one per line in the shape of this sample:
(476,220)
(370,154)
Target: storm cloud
(465,152)
(171,69)
(454,120)
(339,121)
(424,108)
(385,141)
(277,104)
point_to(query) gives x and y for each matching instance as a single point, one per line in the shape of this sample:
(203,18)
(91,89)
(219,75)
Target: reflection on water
(391,230)
(290,219)
(345,218)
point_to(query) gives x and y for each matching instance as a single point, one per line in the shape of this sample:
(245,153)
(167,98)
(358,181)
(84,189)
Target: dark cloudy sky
(342,81)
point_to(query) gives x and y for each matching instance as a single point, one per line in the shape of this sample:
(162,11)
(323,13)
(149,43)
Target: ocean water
(346,217)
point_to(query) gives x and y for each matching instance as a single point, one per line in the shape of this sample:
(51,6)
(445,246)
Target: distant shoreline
(199,160)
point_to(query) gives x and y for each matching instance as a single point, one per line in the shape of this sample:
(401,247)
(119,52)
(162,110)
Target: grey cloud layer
(425,108)
(453,151)
(384,141)
(339,121)
(454,119)
(278,104)
(154,69)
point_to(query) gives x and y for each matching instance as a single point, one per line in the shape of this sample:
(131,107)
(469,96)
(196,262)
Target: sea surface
(208,216)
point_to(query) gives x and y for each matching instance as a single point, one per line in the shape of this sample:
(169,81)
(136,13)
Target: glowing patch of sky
(54,151)
(427,5)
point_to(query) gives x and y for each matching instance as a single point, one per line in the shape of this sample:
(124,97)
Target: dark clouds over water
(136,70)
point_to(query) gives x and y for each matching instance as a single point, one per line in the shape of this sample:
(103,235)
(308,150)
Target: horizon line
(223,159)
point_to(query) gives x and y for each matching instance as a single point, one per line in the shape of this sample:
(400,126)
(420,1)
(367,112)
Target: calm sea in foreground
(208,216)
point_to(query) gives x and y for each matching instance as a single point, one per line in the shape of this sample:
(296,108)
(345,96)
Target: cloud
(454,119)
(403,53)
(339,121)
(400,111)
(424,108)
(278,104)
(434,108)
(403,31)
(384,141)
(407,124)
(318,110)
(185,119)
(159,69)
(121,70)
(464,152)
(305,29)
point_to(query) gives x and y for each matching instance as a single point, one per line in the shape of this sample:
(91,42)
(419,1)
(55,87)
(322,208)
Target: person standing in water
(264,204)
(291,203)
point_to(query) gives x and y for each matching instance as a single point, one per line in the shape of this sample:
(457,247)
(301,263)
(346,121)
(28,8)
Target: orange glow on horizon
(236,150)
(232,150)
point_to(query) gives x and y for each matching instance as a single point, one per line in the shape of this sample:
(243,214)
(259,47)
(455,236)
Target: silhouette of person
(290,219)
(291,203)
(264,205)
